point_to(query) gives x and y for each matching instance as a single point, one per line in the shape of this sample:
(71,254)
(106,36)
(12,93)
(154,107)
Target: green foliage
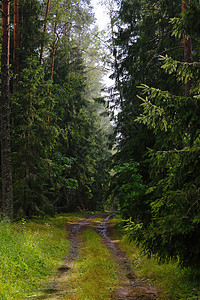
(183,71)
(59,147)
(29,137)
(170,115)
(129,189)
(173,282)
(153,115)
(187,22)
(175,206)
(81,136)
(168,152)
(62,170)
(173,231)
(30,29)
(144,34)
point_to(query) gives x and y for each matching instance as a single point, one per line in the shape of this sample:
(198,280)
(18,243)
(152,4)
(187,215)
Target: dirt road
(130,286)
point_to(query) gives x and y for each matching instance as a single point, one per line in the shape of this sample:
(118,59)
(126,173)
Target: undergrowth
(172,281)
(30,252)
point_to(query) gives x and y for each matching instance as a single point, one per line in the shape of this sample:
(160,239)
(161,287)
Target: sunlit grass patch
(172,281)
(30,252)
(96,221)
(95,274)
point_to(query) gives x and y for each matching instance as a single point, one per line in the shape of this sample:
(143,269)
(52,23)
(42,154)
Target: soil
(130,287)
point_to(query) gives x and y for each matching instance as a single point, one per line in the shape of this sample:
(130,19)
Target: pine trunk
(7,190)
(52,63)
(16,44)
(54,46)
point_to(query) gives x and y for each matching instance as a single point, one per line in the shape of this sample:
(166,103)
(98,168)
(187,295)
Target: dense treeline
(58,141)
(157,163)
(57,137)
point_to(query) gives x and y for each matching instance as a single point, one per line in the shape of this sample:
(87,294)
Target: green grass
(30,252)
(94,275)
(172,281)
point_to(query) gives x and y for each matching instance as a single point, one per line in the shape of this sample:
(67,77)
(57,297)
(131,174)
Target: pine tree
(7,189)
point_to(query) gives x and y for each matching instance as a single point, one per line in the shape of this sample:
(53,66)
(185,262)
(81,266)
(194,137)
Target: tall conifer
(7,190)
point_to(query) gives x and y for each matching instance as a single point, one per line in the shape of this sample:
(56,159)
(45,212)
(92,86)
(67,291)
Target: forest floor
(74,274)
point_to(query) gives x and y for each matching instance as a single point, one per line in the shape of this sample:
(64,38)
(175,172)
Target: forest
(57,135)
(69,143)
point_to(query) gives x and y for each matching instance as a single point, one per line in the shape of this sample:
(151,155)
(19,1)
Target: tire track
(57,287)
(131,287)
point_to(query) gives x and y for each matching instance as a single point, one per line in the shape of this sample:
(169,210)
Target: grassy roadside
(30,252)
(94,275)
(173,282)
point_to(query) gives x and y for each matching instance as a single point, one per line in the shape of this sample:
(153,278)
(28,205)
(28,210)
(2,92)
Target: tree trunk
(7,190)
(54,46)
(44,30)
(187,42)
(16,45)
(52,62)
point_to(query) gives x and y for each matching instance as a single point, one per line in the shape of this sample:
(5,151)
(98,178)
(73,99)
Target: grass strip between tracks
(94,275)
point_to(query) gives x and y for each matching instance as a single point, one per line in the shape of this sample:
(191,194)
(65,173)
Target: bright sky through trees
(100,14)
(102,20)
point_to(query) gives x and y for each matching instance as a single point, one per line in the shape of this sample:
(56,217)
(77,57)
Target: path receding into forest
(129,287)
